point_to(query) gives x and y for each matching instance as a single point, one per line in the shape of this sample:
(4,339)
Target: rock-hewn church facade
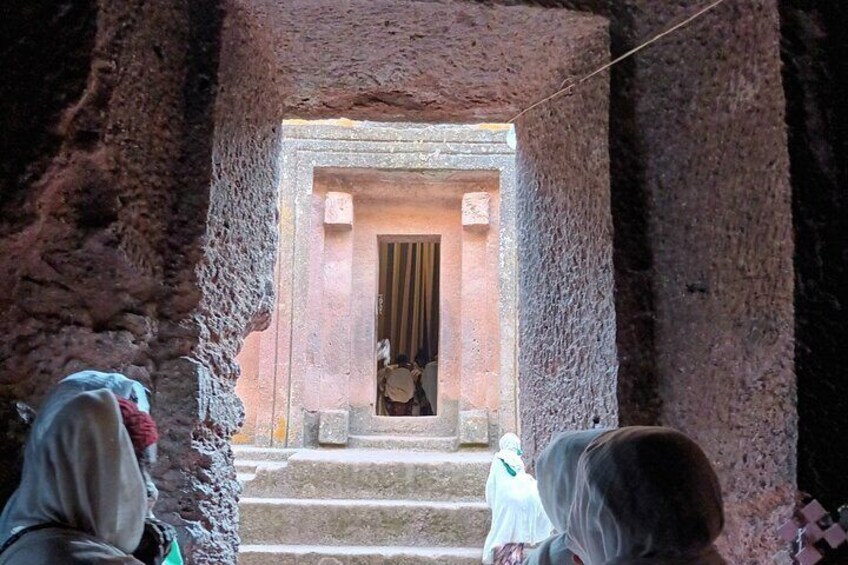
(679,220)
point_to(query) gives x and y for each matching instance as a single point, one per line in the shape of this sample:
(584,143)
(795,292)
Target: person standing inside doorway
(422,406)
(400,388)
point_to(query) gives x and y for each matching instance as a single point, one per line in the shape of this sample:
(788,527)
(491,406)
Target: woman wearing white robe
(82,499)
(517,514)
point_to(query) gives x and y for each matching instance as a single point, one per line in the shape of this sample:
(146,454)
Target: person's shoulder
(65,546)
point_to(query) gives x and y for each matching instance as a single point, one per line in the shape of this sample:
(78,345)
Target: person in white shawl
(517,514)
(640,496)
(121,386)
(82,499)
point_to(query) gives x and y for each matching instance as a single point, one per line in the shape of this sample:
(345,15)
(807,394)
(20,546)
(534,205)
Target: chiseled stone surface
(333,427)
(119,248)
(432,62)
(709,110)
(371,473)
(474,427)
(567,357)
(475,210)
(338,210)
(363,522)
(122,250)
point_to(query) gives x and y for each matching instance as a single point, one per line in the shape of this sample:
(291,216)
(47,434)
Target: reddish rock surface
(133,238)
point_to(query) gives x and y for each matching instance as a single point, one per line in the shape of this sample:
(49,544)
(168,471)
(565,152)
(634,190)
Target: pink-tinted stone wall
(103,217)
(703,247)
(567,349)
(106,259)
(710,115)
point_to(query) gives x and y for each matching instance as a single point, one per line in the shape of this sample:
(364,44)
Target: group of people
(404,388)
(628,496)
(86,493)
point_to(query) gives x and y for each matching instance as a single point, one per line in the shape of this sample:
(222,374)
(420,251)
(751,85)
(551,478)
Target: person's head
(120,385)
(510,442)
(81,471)
(421,358)
(556,472)
(646,495)
(402,359)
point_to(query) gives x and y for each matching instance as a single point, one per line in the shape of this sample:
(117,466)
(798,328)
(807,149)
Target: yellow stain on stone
(340,122)
(242,439)
(493,127)
(285,214)
(280,431)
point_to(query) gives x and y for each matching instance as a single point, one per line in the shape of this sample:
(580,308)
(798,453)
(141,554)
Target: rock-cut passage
(362,507)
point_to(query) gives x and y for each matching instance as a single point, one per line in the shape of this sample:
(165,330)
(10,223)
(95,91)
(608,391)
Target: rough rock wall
(567,359)
(106,178)
(815,54)
(703,246)
(709,116)
(384,60)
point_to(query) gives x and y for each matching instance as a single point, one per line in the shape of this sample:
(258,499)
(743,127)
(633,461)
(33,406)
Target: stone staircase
(362,506)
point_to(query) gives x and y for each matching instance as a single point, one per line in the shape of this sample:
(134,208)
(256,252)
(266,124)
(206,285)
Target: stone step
(362,522)
(404,443)
(257,453)
(357,555)
(250,465)
(373,474)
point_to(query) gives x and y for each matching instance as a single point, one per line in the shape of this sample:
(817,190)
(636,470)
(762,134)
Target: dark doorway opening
(408,318)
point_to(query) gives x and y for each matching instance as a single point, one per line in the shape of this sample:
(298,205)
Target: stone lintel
(474,427)
(338,210)
(475,210)
(333,426)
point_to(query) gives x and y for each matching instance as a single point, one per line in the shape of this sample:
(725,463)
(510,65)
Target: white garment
(430,384)
(384,351)
(399,385)
(511,493)
(647,496)
(556,471)
(120,386)
(80,470)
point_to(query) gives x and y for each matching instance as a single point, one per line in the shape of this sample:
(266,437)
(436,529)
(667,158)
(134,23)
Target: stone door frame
(309,146)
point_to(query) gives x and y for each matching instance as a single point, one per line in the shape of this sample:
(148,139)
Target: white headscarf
(80,471)
(645,495)
(121,386)
(384,351)
(556,471)
(510,452)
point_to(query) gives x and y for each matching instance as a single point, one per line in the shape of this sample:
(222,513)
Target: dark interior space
(815,56)
(45,57)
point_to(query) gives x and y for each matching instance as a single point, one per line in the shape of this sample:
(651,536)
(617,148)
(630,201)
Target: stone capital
(338,210)
(475,210)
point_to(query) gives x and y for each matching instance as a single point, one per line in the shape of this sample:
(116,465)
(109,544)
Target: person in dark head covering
(82,498)
(556,473)
(645,496)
